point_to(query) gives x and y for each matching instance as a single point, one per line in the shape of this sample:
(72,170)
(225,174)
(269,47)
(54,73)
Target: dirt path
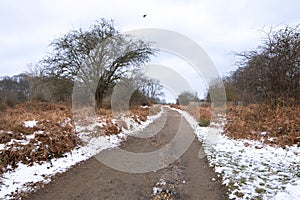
(187,178)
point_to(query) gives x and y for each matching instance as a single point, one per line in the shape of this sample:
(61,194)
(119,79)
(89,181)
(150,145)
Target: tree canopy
(97,58)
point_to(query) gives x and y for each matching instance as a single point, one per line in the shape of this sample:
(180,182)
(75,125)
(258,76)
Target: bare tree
(186,97)
(97,58)
(272,71)
(137,90)
(151,88)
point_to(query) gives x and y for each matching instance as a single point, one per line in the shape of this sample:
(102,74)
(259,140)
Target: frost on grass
(251,169)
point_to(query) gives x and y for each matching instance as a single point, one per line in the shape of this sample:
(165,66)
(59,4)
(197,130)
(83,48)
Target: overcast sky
(219,27)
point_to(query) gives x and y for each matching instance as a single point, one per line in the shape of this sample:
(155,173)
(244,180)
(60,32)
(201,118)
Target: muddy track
(188,178)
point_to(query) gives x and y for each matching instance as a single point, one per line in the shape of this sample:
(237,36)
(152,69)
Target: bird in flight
(144,15)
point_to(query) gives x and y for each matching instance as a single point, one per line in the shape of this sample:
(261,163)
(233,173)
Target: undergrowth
(280,125)
(54,133)
(52,136)
(272,125)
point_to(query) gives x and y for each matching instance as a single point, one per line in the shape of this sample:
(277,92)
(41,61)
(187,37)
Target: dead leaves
(280,126)
(54,133)
(202,114)
(52,136)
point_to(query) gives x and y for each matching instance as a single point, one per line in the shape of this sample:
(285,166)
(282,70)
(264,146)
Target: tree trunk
(99,104)
(99,96)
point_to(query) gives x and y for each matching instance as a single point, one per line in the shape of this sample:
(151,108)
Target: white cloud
(220,27)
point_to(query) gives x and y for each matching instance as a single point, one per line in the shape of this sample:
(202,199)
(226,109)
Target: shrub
(204,122)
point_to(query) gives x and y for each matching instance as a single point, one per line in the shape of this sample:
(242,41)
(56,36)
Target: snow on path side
(18,179)
(250,169)
(30,124)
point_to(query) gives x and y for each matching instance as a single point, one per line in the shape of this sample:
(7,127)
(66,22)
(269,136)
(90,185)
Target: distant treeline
(24,87)
(27,87)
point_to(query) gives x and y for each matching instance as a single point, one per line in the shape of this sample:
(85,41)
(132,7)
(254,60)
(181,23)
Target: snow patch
(30,124)
(16,179)
(156,190)
(292,191)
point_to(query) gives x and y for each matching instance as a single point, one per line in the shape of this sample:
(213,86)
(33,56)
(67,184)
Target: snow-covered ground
(20,179)
(250,169)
